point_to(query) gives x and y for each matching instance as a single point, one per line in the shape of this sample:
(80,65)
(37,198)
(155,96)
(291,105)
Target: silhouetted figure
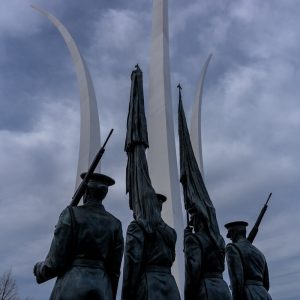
(86,249)
(147,262)
(247,267)
(204,264)
(205,248)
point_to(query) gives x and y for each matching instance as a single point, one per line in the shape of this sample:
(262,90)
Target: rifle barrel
(82,187)
(268,198)
(254,230)
(110,133)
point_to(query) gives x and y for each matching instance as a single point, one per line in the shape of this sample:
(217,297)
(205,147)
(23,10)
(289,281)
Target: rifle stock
(254,230)
(82,187)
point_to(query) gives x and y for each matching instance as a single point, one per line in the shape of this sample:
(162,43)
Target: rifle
(82,187)
(254,230)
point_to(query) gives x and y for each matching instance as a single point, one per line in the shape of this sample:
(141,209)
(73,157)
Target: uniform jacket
(147,262)
(248,271)
(85,255)
(204,265)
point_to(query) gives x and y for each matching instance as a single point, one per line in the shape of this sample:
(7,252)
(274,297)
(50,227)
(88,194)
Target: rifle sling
(74,231)
(244,265)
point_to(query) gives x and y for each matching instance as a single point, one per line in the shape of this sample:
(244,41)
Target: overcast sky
(250,124)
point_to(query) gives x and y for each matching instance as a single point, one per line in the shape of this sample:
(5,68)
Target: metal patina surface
(204,247)
(247,266)
(150,242)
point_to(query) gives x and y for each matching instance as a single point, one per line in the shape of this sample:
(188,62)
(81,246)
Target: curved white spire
(162,160)
(89,119)
(195,129)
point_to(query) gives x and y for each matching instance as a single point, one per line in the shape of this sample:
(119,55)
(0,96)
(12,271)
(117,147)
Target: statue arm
(133,259)
(59,254)
(266,282)
(193,260)
(236,272)
(116,259)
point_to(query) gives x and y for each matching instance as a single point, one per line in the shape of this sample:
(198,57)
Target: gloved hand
(37,271)
(188,230)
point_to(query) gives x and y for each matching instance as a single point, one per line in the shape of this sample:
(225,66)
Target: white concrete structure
(195,128)
(162,160)
(89,119)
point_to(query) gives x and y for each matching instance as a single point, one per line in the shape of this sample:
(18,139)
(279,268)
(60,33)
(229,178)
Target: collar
(94,204)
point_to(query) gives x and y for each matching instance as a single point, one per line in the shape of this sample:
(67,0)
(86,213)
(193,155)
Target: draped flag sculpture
(204,247)
(196,197)
(150,243)
(142,197)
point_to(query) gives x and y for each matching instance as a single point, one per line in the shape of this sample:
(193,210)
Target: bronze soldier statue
(147,262)
(204,248)
(150,243)
(204,264)
(247,266)
(86,250)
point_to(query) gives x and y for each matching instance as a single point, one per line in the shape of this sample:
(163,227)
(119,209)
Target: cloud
(38,167)
(17,17)
(120,34)
(250,116)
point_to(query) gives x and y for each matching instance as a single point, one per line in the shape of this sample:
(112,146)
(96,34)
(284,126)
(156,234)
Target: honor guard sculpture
(150,243)
(204,248)
(86,250)
(247,266)
(148,261)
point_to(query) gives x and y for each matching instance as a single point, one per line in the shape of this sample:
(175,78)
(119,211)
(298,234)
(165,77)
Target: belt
(212,275)
(91,263)
(253,282)
(159,269)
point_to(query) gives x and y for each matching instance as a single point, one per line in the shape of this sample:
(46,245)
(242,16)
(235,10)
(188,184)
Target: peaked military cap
(100,178)
(235,224)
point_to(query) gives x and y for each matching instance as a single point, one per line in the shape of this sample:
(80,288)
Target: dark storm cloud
(251,115)
(41,141)
(251,119)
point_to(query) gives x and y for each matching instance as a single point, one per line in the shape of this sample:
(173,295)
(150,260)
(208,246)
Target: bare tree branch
(8,287)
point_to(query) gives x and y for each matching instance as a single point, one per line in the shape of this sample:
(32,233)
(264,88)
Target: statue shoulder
(239,248)
(115,219)
(255,251)
(232,247)
(135,232)
(173,233)
(65,217)
(134,227)
(166,227)
(167,232)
